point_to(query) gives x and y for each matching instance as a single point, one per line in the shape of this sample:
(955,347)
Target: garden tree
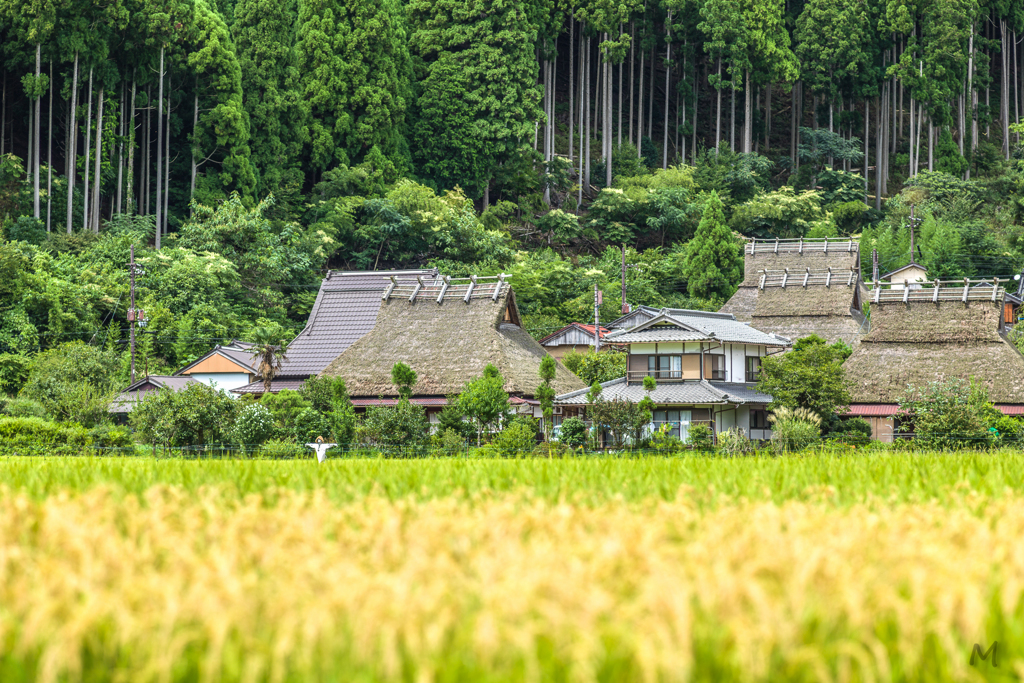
(220,124)
(284,407)
(621,418)
(453,418)
(354,61)
(478,100)
(783,213)
(810,376)
(951,414)
(591,366)
(403,377)
(832,46)
(402,425)
(264,36)
(73,382)
(948,158)
(197,415)
(546,393)
(484,400)
(714,263)
(269,350)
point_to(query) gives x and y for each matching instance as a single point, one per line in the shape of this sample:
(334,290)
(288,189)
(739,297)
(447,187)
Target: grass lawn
(885,567)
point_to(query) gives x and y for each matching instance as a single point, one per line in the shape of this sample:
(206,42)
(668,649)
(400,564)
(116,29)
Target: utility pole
(626,306)
(597,319)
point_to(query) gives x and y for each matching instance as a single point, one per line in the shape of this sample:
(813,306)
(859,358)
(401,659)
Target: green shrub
(37,436)
(311,424)
(665,443)
(254,425)
(277,449)
(573,432)
(735,442)
(449,441)
(520,436)
(701,438)
(398,426)
(284,407)
(24,407)
(110,436)
(27,229)
(794,429)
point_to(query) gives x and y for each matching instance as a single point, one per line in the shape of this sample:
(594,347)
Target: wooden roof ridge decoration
(448,288)
(809,277)
(799,245)
(964,290)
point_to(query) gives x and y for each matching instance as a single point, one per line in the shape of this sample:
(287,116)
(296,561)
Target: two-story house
(706,366)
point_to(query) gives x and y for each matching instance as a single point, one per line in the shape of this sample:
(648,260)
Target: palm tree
(269,349)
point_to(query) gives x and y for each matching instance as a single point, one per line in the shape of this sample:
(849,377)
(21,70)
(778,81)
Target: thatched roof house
(447,331)
(345,309)
(796,288)
(931,334)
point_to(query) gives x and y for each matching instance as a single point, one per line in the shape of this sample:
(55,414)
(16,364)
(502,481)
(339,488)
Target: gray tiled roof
(669,393)
(704,326)
(126,400)
(275,386)
(345,309)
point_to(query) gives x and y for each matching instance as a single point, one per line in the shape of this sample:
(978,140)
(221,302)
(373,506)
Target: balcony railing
(673,376)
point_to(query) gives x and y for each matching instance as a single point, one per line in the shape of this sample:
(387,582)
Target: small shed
(910,275)
(227,366)
(125,401)
(572,337)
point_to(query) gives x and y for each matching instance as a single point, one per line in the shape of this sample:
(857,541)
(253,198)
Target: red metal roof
(873,409)
(890,409)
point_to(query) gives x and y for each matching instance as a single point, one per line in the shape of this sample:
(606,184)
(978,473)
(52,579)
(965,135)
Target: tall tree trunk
(72,142)
(159,150)
(696,118)
(879,151)
(572,46)
(582,107)
(3,117)
(640,106)
(794,109)
(88,150)
(668,74)
(867,138)
(586,176)
(608,117)
(1004,90)
(748,129)
(718,115)
(130,189)
(619,95)
(767,115)
(650,100)
(147,155)
(913,108)
(36,137)
(732,118)
(195,141)
(49,156)
(632,64)
(30,143)
(931,144)
(99,152)
(167,155)
(120,149)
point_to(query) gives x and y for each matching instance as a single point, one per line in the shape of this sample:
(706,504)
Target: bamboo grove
(141,106)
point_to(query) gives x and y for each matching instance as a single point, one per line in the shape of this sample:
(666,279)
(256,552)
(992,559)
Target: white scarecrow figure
(321,448)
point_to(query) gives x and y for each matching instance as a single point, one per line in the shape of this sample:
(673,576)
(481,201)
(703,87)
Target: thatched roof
(945,321)
(447,343)
(919,342)
(795,303)
(797,255)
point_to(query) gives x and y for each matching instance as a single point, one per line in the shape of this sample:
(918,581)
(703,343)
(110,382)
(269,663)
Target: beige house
(572,337)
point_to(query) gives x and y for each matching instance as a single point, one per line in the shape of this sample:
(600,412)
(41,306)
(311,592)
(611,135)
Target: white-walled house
(706,366)
(226,367)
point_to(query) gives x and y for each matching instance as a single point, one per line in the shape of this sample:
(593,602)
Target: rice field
(886,567)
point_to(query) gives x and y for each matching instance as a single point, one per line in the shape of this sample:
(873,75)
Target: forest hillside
(246,146)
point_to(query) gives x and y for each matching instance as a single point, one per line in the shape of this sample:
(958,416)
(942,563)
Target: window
(714,366)
(758,418)
(753,368)
(678,422)
(665,367)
